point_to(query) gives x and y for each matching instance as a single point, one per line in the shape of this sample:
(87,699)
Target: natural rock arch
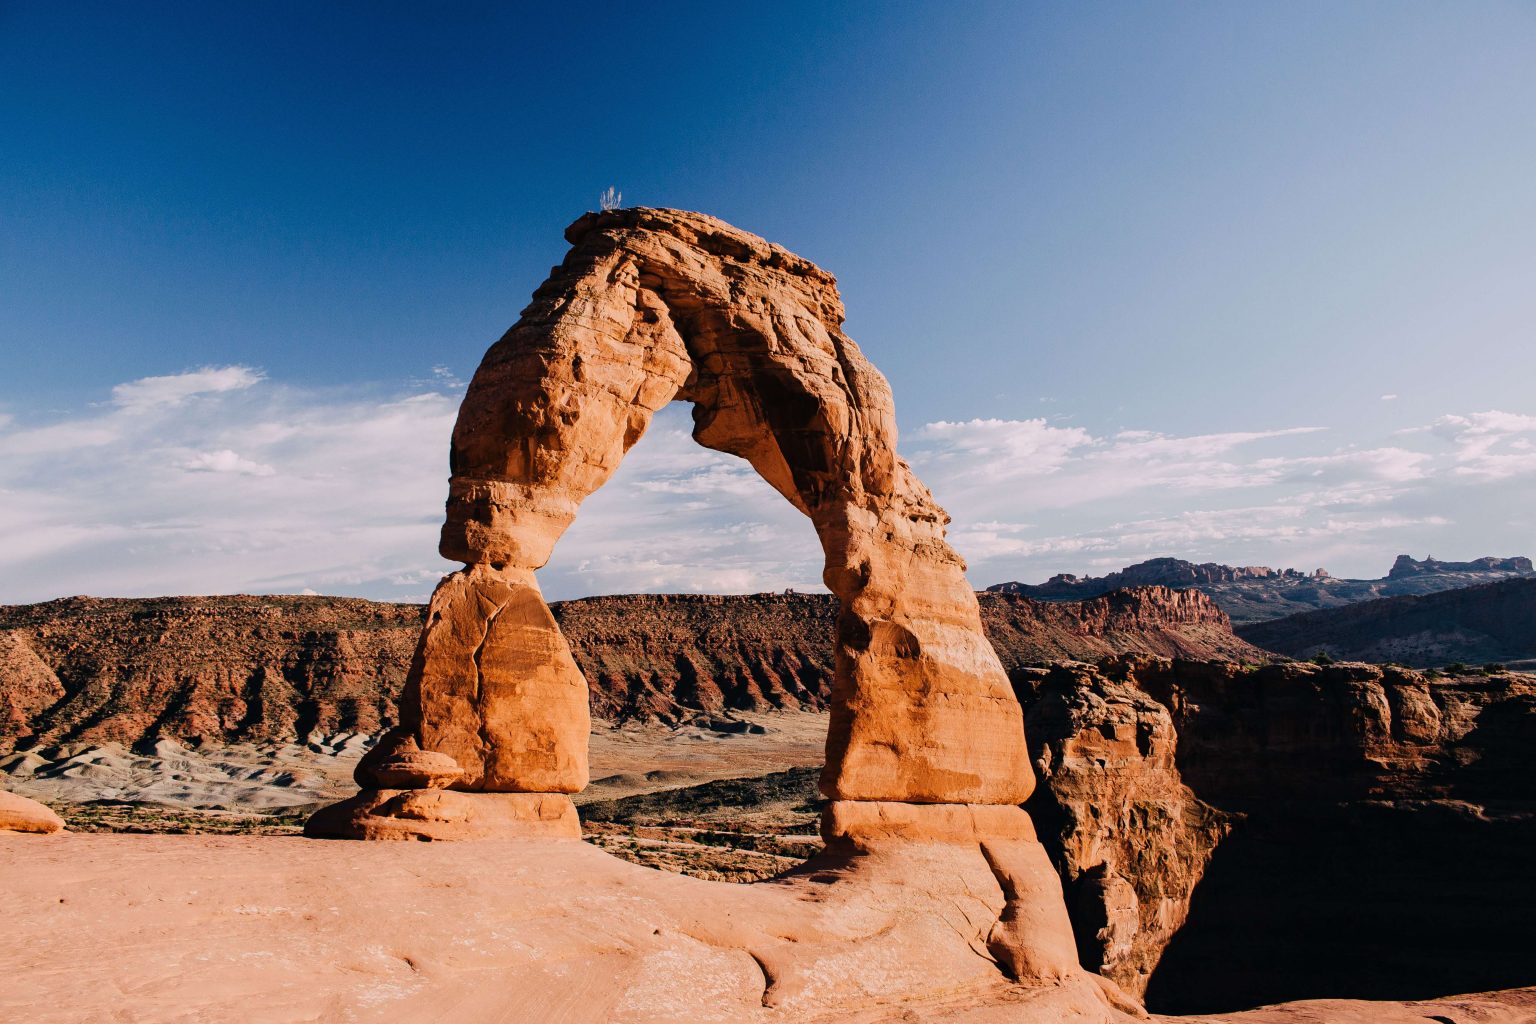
(651,306)
(926,763)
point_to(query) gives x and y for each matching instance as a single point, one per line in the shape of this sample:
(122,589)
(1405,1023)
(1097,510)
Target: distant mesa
(1406,566)
(1256,593)
(1480,625)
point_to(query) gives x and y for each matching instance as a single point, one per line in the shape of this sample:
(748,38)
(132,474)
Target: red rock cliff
(93,670)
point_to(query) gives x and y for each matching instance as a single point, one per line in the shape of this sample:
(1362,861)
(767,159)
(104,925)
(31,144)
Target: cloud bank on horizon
(220,480)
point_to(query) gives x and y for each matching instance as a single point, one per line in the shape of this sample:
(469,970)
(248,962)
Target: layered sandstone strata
(276,669)
(1377,820)
(1476,625)
(1130,839)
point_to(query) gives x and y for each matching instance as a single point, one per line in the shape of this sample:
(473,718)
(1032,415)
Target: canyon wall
(1355,830)
(220,669)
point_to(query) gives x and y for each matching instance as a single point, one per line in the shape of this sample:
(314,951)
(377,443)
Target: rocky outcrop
(1154,572)
(1142,620)
(18,814)
(1376,820)
(925,746)
(1259,593)
(28,685)
(85,671)
(1130,839)
(1475,625)
(669,656)
(655,305)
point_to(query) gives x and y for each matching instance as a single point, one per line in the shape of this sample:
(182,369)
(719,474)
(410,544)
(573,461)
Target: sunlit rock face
(925,749)
(652,306)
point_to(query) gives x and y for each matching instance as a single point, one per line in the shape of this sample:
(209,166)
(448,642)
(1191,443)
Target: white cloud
(219,480)
(1389,398)
(1289,496)
(154,392)
(225,461)
(1489,445)
(1014,447)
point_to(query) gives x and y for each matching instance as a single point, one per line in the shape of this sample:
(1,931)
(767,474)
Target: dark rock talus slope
(1491,623)
(88,670)
(1254,593)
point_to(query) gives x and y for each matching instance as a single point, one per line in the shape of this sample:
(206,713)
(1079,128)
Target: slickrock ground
(1357,799)
(211,930)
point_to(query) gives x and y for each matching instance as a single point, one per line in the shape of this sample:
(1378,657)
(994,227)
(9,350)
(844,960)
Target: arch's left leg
(494,719)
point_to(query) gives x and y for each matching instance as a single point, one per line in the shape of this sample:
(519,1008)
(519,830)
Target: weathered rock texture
(1477,625)
(225,930)
(1380,825)
(1256,593)
(18,814)
(1130,839)
(655,305)
(86,671)
(925,751)
(1142,620)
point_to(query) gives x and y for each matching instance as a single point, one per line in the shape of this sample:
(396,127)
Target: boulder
(18,814)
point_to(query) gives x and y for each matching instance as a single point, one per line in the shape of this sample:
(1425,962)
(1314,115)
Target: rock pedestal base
(1031,937)
(444,814)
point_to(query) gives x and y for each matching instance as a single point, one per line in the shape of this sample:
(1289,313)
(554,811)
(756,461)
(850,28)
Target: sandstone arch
(651,306)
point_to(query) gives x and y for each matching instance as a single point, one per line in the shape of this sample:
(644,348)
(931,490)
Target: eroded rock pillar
(494,716)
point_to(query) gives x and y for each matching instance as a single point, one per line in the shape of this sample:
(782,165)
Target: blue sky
(1142,275)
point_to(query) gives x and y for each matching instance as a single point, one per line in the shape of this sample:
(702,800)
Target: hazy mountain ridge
(1494,622)
(1257,593)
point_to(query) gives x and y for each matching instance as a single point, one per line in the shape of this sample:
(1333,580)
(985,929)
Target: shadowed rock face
(1130,840)
(1354,830)
(651,306)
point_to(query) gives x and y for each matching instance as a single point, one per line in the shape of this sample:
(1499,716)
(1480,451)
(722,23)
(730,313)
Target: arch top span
(651,306)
